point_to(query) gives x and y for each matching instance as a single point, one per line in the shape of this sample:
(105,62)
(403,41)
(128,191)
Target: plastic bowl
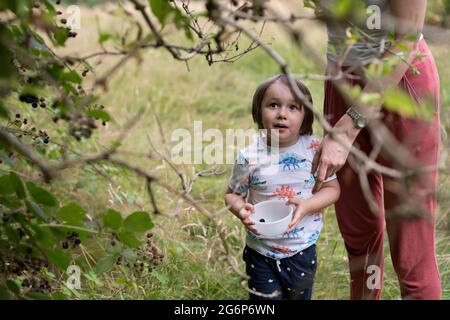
(272,217)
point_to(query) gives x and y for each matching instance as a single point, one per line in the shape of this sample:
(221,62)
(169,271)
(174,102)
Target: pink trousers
(409,215)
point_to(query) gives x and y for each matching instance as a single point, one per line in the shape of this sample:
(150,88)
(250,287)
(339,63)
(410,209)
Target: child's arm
(240,208)
(327,195)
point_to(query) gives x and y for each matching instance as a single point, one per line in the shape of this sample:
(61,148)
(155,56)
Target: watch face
(360,123)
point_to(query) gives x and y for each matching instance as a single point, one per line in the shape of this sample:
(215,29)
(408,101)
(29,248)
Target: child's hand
(300,212)
(244,214)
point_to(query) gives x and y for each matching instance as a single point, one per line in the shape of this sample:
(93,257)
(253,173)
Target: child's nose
(282,112)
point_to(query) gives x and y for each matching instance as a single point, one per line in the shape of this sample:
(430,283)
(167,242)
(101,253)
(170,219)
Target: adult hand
(329,158)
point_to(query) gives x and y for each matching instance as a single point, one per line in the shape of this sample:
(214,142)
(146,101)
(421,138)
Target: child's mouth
(280,127)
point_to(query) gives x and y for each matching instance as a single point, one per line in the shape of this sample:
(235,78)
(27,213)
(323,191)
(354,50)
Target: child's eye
(293,107)
(273,105)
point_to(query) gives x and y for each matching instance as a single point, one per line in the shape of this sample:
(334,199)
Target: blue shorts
(292,277)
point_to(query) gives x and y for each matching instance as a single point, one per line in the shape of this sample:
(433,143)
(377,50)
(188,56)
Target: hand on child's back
(244,214)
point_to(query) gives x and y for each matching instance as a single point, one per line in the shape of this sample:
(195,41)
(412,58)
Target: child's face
(280,111)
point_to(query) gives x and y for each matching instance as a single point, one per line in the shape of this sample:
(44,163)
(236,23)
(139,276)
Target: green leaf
(161,277)
(112,219)
(38,296)
(99,114)
(59,258)
(128,239)
(41,195)
(71,214)
(4,112)
(105,263)
(4,293)
(130,255)
(17,184)
(61,35)
(92,276)
(161,9)
(400,102)
(12,234)
(72,76)
(138,221)
(59,296)
(103,37)
(5,185)
(13,287)
(36,210)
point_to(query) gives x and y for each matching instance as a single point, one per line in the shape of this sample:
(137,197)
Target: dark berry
(63,21)
(17,115)
(65,245)
(77,241)
(34,105)
(25,121)
(28,98)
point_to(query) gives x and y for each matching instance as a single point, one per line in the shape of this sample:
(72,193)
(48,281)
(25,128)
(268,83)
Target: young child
(283,265)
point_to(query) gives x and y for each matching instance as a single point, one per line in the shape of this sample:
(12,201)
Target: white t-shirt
(266,173)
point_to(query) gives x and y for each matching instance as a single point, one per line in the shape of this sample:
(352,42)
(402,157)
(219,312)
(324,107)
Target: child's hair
(306,128)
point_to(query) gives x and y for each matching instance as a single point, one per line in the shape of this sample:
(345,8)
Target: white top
(266,173)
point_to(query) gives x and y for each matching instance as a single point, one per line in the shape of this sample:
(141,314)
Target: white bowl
(272,217)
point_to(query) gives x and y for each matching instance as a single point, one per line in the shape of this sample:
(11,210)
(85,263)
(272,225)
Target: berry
(77,241)
(25,121)
(17,115)
(63,21)
(65,245)
(34,105)
(28,98)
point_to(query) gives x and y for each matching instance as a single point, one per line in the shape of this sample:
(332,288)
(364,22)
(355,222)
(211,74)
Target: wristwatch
(358,120)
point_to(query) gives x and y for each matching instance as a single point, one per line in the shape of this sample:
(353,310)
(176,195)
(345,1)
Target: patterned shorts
(292,277)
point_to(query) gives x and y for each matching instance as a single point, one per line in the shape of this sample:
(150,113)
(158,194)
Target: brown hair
(306,128)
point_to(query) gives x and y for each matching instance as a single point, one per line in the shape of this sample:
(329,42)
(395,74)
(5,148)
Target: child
(283,265)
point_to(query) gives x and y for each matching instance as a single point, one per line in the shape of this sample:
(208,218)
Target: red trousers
(411,239)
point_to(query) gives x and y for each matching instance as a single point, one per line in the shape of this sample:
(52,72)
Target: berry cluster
(29,269)
(82,126)
(72,238)
(33,100)
(148,257)
(151,253)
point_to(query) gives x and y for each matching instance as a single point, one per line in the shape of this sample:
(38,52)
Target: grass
(220,96)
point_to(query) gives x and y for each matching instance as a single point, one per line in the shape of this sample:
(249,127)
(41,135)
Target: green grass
(220,96)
